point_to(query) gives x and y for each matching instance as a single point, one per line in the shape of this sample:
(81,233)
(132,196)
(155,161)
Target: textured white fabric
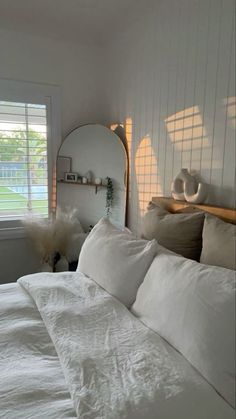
(218,243)
(114,366)
(116,260)
(181,233)
(193,307)
(32,384)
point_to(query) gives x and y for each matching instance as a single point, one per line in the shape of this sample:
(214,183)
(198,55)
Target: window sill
(12,233)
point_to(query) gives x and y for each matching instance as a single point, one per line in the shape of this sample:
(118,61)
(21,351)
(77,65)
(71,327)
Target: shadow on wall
(146,178)
(223,192)
(200,144)
(121,132)
(186,130)
(124,131)
(189,137)
(143,162)
(196,145)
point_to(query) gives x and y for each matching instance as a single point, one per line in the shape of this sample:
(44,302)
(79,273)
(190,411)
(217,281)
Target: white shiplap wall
(172,85)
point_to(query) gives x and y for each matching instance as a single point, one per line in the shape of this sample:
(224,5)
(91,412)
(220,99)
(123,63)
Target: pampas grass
(66,225)
(55,235)
(40,232)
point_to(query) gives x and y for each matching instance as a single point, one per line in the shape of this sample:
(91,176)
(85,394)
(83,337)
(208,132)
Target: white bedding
(111,364)
(32,384)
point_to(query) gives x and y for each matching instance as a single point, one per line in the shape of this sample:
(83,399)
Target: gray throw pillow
(181,233)
(218,245)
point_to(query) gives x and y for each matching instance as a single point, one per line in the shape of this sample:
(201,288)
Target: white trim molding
(12,233)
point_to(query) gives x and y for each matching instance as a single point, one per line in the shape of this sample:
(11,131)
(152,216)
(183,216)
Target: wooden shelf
(172,205)
(83,184)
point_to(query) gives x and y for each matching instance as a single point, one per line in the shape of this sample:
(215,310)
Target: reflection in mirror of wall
(94,181)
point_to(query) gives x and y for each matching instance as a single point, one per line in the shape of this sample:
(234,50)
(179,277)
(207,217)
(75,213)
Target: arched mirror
(92,175)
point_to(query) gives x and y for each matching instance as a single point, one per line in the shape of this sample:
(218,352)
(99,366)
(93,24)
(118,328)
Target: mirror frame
(126,176)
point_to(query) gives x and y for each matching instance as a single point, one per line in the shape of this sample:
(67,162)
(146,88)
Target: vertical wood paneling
(191,19)
(228,172)
(211,84)
(173,78)
(181,89)
(201,66)
(172,61)
(224,88)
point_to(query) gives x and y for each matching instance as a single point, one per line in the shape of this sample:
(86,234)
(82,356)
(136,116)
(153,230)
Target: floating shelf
(83,184)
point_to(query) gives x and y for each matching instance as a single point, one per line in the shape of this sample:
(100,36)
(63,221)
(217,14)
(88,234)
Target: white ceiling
(83,21)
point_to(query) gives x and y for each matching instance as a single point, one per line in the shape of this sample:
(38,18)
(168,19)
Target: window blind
(23,160)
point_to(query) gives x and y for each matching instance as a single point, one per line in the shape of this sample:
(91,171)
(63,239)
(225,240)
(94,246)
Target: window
(30,135)
(23,160)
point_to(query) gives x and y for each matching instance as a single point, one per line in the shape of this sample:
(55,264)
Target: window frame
(27,92)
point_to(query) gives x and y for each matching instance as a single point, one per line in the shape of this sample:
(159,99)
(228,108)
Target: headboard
(171,205)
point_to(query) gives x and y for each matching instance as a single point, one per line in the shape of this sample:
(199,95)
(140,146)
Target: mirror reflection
(92,175)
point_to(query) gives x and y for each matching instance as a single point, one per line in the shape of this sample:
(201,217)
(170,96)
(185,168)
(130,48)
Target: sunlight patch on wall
(128,127)
(54,190)
(128,133)
(230,103)
(186,130)
(148,183)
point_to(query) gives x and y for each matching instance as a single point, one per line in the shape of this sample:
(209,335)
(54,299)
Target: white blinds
(23,160)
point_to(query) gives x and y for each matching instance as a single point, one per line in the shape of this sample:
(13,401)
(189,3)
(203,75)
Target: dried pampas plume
(40,232)
(54,235)
(66,225)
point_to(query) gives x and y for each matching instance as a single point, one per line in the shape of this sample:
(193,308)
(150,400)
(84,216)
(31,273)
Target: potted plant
(109,196)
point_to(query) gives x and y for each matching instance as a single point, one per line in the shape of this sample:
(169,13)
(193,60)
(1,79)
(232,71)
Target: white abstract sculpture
(198,197)
(185,187)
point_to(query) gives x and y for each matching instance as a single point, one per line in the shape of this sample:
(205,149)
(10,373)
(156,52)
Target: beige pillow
(181,233)
(218,243)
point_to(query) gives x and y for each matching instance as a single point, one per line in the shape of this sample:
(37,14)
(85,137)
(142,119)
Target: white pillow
(192,306)
(116,260)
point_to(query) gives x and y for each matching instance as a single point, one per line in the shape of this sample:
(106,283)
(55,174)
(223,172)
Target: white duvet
(67,349)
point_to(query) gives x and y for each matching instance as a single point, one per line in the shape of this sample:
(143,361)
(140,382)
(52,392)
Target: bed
(70,349)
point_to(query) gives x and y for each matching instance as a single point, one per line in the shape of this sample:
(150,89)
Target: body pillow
(192,306)
(181,233)
(116,260)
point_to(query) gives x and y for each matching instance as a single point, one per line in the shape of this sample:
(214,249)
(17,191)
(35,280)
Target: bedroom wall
(172,86)
(169,80)
(78,70)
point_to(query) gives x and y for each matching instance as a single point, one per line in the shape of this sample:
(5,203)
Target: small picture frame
(71,177)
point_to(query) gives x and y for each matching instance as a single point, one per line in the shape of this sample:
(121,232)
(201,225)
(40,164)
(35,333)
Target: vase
(186,188)
(45,267)
(62,265)
(199,197)
(179,182)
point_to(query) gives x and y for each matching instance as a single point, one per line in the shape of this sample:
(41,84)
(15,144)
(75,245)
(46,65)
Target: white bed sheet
(113,366)
(32,384)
